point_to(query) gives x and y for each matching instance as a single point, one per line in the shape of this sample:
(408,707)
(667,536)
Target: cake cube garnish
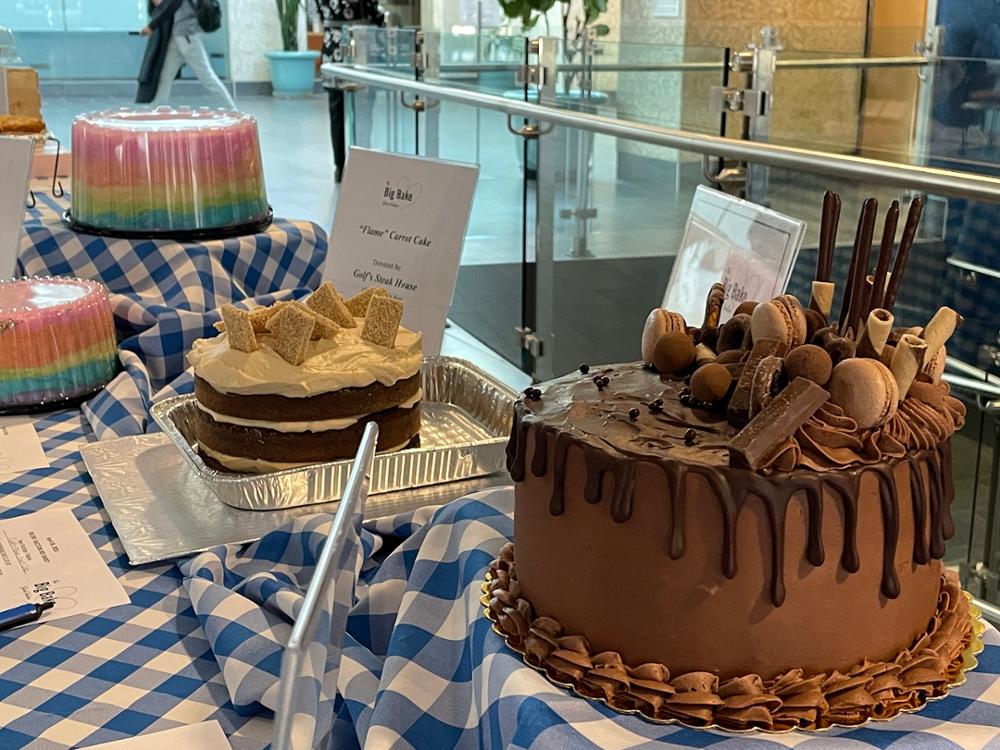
(382,321)
(260,315)
(238,329)
(326,302)
(324,329)
(292,328)
(358,304)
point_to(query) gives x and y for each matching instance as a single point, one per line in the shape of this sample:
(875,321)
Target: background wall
(811,107)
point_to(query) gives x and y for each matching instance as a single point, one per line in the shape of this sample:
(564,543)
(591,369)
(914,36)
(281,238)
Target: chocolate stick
(884,253)
(832,237)
(827,235)
(905,245)
(822,288)
(850,312)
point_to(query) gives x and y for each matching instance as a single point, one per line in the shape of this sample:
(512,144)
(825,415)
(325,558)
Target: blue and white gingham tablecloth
(422,667)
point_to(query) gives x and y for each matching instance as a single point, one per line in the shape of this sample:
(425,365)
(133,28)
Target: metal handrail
(905,176)
(693,65)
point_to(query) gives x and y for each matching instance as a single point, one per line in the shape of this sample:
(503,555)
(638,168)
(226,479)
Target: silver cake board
(162,510)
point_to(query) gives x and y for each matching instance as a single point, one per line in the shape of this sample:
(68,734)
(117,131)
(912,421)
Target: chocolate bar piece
(738,411)
(768,431)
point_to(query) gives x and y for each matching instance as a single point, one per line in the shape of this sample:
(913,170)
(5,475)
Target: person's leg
(336,102)
(172,63)
(196,57)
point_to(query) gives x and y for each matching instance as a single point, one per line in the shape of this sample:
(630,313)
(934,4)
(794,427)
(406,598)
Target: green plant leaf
(602,29)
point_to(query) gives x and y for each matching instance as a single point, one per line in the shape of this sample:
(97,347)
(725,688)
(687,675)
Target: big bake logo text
(401,195)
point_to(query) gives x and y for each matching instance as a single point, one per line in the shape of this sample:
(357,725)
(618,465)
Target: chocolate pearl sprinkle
(584,368)
(633,413)
(690,436)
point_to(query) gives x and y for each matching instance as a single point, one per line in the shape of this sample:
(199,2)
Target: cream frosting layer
(244,465)
(319,425)
(344,361)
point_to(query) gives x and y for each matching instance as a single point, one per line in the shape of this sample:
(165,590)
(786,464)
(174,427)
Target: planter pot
(292,73)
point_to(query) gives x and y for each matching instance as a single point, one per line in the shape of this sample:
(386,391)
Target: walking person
(174,32)
(336,14)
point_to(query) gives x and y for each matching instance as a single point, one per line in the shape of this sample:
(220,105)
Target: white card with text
(20,448)
(205,736)
(16,154)
(47,555)
(400,223)
(749,248)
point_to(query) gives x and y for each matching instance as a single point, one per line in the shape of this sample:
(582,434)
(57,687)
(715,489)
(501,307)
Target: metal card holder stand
(757,63)
(311,659)
(57,188)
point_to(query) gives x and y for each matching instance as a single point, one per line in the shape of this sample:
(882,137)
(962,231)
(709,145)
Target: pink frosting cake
(57,340)
(167,170)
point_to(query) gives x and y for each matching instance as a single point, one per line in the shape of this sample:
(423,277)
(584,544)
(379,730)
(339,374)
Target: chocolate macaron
(866,390)
(659,322)
(781,319)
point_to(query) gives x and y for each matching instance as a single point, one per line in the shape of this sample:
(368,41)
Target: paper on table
(20,448)
(205,736)
(47,555)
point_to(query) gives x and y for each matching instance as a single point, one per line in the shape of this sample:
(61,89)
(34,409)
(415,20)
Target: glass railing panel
(944,112)
(488,297)
(617,218)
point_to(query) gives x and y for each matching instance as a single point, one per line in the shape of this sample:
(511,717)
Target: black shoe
(338,173)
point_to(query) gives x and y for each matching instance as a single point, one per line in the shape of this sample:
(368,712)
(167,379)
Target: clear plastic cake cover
(164,171)
(57,341)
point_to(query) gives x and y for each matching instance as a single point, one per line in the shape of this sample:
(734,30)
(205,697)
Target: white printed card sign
(749,248)
(400,223)
(16,154)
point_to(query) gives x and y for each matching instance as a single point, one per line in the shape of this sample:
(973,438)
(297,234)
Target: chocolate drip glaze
(620,446)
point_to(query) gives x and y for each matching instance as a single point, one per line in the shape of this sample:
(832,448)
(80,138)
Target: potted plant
(293,71)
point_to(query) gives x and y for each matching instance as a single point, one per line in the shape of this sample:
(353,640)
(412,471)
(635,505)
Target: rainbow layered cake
(57,340)
(167,170)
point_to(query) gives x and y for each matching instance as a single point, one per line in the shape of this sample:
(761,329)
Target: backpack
(209,14)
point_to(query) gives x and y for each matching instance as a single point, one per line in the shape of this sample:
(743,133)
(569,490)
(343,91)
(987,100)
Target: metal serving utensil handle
(318,634)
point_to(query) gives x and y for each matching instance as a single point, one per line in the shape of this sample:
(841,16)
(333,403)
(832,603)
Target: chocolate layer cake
(276,391)
(747,533)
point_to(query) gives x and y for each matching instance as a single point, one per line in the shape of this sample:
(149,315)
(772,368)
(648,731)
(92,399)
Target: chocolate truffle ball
(809,362)
(673,353)
(710,383)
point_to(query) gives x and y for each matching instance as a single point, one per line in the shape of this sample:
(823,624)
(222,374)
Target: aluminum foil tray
(466,418)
